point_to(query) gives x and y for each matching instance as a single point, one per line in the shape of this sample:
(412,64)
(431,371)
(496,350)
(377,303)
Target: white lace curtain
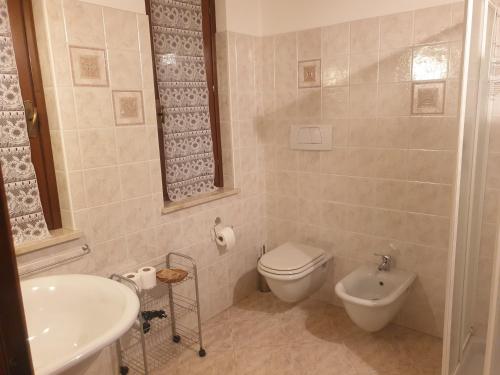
(23,198)
(182,84)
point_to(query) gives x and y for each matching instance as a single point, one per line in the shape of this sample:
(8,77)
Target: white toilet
(371,297)
(294,271)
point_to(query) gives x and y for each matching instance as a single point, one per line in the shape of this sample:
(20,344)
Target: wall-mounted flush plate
(311,137)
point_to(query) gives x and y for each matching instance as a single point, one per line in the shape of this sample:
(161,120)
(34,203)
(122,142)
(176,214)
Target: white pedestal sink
(70,318)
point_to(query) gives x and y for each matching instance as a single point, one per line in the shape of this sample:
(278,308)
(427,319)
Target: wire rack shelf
(152,343)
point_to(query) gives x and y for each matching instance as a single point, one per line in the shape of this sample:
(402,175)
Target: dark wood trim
(208,11)
(159,109)
(15,356)
(30,80)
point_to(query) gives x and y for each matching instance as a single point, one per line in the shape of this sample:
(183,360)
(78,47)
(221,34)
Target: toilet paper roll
(135,277)
(225,238)
(148,277)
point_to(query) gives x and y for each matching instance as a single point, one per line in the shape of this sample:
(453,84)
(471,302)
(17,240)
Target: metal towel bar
(32,268)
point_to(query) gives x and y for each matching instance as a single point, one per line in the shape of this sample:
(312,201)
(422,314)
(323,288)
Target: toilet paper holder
(218,224)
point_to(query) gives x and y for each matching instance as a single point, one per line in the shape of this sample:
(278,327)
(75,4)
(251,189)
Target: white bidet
(372,298)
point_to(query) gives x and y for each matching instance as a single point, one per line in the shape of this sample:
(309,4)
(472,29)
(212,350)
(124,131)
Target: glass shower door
(466,233)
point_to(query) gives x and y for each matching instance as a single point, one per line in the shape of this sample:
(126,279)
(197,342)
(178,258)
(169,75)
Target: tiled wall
(109,176)
(388,179)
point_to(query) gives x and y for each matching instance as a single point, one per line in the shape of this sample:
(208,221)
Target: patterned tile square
(89,66)
(428,98)
(310,73)
(128,107)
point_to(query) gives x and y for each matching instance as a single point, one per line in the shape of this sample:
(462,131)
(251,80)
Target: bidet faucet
(386,262)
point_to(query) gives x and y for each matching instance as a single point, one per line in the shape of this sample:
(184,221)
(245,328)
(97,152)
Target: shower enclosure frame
(469,186)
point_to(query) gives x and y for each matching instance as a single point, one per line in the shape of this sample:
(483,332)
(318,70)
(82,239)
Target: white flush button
(311,137)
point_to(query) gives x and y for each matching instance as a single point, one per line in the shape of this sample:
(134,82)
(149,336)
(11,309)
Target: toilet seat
(291,261)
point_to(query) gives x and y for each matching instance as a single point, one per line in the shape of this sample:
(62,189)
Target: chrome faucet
(386,262)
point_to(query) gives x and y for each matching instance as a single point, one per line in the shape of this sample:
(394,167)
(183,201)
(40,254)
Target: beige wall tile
(391,194)
(309,44)
(432,24)
(396,30)
(94,108)
(132,144)
(105,222)
(66,102)
(335,103)
(393,132)
(394,99)
(77,189)
(363,68)
(390,132)
(335,70)
(52,107)
(135,180)
(63,191)
(433,133)
(125,69)
(430,62)
(98,147)
(72,147)
(431,166)
(335,161)
(365,35)
(428,230)
(102,186)
(84,24)
(286,60)
(309,104)
(434,199)
(335,40)
(395,65)
(144,35)
(363,100)
(121,29)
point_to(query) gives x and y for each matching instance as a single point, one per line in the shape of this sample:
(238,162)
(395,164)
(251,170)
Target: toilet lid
(291,257)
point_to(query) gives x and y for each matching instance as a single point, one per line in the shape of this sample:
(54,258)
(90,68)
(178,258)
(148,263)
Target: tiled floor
(262,335)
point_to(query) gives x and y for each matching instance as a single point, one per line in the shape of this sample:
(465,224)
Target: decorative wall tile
(428,98)
(88,66)
(430,62)
(310,73)
(128,107)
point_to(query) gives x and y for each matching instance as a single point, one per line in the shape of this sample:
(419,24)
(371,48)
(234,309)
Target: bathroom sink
(72,317)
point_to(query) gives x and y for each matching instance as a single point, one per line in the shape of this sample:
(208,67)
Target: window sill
(59,236)
(170,207)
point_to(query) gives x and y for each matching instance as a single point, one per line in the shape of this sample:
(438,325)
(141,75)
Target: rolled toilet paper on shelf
(226,238)
(148,277)
(135,277)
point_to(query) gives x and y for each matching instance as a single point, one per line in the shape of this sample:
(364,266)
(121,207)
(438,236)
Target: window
(30,80)
(186,96)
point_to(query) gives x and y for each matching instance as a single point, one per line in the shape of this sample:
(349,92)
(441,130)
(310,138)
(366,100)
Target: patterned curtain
(23,199)
(182,84)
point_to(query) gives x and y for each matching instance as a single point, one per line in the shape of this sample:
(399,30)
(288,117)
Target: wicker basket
(170,276)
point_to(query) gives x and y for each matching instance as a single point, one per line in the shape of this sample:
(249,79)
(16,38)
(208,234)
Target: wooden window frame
(30,81)
(209,29)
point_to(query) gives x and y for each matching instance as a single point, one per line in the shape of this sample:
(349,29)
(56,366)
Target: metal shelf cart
(169,320)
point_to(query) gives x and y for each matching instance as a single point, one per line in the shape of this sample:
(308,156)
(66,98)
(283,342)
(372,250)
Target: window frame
(30,81)
(209,30)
